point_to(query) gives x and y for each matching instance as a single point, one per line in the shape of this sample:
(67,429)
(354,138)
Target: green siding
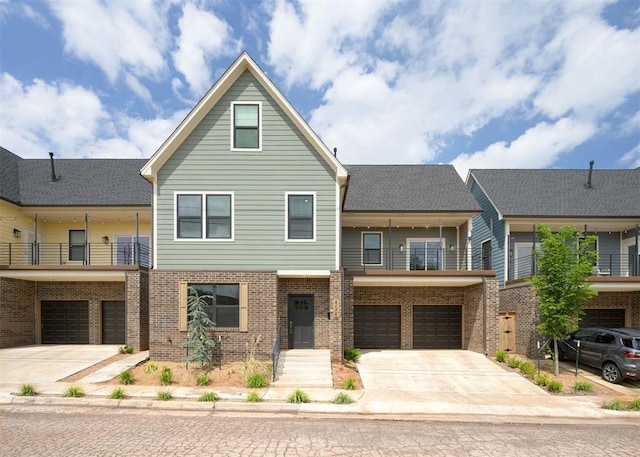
(259,180)
(481,231)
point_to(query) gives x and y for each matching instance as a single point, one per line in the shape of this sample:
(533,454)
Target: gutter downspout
(484,316)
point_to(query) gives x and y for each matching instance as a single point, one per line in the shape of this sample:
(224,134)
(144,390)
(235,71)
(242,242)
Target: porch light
(452,247)
(17,233)
(105,240)
(401,247)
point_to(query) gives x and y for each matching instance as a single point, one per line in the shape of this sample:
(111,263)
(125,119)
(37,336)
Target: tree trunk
(557,359)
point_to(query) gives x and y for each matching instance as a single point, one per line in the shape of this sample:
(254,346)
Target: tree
(565,262)
(199,343)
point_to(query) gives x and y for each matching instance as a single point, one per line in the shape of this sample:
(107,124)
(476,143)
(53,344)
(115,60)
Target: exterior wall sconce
(17,233)
(105,240)
(452,247)
(401,247)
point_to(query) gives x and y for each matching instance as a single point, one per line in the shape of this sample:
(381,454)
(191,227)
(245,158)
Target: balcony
(436,259)
(54,254)
(609,265)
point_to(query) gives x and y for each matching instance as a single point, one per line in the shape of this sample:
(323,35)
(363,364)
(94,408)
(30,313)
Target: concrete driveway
(50,363)
(445,381)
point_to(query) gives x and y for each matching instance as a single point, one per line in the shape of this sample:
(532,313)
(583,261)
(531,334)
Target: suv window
(633,343)
(605,338)
(584,335)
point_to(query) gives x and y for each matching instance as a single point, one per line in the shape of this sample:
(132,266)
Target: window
(76,245)
(486,255)
(372,248)
(223,303)
(300,214)
(227,305)
(425,254)
(246,132)
(201,213)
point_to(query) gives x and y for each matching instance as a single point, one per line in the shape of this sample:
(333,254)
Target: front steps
(304,368)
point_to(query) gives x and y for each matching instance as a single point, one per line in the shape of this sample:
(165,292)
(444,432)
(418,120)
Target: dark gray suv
(615,351)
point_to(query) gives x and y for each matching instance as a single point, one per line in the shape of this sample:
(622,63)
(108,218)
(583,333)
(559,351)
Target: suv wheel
(611,373)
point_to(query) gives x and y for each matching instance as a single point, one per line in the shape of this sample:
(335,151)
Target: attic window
(246,126)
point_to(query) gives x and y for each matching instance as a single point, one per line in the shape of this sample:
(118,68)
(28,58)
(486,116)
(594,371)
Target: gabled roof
(81,182)
(561,193)
(407,188)
(242,63)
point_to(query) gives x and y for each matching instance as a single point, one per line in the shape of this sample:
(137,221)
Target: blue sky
(478,83)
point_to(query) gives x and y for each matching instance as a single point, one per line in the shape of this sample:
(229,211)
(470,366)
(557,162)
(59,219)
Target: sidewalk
(441,406)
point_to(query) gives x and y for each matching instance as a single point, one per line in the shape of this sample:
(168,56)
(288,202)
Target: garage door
(437,327)
(376,327)
(113,318)
(603,318)
(65,322)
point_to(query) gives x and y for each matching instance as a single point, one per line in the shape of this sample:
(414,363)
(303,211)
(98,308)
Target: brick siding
(17,314)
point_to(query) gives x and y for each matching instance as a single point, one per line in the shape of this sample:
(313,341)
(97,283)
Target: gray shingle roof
(553,193)
(82,182)
(407,188)
(9,175)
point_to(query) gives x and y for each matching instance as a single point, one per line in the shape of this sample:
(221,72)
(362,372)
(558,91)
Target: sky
(477,83)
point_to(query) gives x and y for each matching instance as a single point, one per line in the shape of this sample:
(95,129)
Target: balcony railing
(414,259)
(75,254)
(608,265)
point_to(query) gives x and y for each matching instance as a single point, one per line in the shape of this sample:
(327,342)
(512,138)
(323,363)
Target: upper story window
(208,214)
(246,128)
(372,248)
(300,216)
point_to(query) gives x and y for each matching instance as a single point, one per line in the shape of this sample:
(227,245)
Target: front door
(301,321)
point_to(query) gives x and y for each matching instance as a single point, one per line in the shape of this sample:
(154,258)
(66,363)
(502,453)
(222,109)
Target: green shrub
(256,380)
(342,399)
(150,367)
(352,354)
(117,394)
(583,386)
(513,362)
(164,395)
(125,350)
(528,369)
(615,405)
(166,376)
(635,405)
(203,380)
(126,377)
(554,386)
(28,390)
(209,396)
(74,392)
(349,384)
(298,396)
(542,379)
(501,356)
(253,397)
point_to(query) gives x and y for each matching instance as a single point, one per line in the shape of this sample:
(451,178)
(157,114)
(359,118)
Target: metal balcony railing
(608,265)
(75,254)
(412,259)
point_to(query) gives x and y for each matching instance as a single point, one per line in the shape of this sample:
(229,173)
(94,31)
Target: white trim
(507,247)
(338,222)
(154,228)
(486,194)
(416,281)
(203,216)
(303,273)
(362,234)
(232,125)
(286,217)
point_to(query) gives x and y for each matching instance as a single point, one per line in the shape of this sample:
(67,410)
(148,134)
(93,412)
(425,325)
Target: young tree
(199,343)
(565,262)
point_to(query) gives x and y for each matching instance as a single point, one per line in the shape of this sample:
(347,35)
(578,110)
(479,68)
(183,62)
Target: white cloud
(203,37)
(538,147)
(116,35)
(632,157)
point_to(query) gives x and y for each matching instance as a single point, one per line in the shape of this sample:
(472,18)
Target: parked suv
(615,351)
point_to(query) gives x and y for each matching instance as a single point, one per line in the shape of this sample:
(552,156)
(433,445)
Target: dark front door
(301,321)
(65,322)
(113,322)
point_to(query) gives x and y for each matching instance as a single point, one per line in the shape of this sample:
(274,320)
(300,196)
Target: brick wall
(475,317)
(17,313)
(137,289)
(164,337)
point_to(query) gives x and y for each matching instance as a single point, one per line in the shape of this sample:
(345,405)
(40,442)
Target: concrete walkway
(395,386)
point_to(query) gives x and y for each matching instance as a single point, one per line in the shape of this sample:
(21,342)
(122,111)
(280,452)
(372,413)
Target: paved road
(43,431)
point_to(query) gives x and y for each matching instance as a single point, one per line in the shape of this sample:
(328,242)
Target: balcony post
(86,240)
(34,254)
(9,253)
(389,258)
(637,255)
(137,252)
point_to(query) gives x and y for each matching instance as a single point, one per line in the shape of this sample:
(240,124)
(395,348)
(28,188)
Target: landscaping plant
(615,405)
(349,384)
(501,356)
(117,394)
(28,390)
(203,380)
(554,386)
(352,355)
(209,396)
(342,399)
(166,377)
(565,262)
(583,386)
(199,342)
(256,380)
(73,391)
(164,395)
(150,367)
(126,377)
(298,396)
(253,397)
(635,405)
